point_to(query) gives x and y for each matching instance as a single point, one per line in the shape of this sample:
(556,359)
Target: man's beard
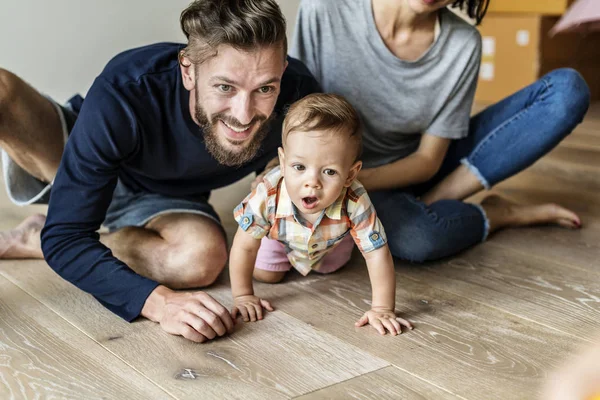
(242,152)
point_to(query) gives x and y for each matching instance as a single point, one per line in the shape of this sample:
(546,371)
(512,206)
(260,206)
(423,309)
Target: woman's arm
(416,168)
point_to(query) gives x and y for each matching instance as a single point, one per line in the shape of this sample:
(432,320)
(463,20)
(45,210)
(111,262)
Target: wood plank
(582,139)
(43,356)
(386,384)
(504,356)
(279,357)
(563,299)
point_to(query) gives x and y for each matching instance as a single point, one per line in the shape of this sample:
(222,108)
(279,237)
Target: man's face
(232,97)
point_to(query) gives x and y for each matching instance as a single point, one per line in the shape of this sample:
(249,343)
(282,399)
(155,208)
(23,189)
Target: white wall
(59,46)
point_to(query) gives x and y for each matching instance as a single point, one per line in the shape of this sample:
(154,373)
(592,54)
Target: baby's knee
(264,276)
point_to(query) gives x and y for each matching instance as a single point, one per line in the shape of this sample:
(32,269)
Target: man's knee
(196,265)
(7,90)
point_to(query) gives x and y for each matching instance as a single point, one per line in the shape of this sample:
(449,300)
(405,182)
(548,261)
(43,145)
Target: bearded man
(161,127)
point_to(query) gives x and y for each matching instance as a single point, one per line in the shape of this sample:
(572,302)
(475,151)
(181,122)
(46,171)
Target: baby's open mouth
(310,202)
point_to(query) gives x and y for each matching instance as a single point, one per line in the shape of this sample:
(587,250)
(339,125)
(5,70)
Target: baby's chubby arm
(241,267)
(382,315)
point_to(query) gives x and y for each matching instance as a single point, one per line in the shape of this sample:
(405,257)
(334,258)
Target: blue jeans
(503,140)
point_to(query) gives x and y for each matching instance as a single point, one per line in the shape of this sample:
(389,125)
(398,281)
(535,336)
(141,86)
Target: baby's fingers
(404,322)
(362,321)
(266,305)
(259,311)
(396,325)
(244,313)
(389,325)
(376,323)
(251,312)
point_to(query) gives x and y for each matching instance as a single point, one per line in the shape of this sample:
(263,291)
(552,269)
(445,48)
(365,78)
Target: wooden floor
(491,323)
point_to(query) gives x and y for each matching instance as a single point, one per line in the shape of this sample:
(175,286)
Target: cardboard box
(544,7)
(517,51)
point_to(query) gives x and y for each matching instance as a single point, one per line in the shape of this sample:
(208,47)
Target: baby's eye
(298,167)
(330,172)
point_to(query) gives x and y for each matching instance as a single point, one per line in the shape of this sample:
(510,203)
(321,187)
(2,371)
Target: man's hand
(250,307)
(382,320)
(194,315)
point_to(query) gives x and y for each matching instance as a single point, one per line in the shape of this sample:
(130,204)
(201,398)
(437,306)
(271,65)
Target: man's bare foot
(503,213)
(23,241)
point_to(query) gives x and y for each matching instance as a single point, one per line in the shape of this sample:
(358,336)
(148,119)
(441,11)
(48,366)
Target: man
(161,127)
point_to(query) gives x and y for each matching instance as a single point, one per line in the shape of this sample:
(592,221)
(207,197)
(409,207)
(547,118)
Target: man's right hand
(194,315)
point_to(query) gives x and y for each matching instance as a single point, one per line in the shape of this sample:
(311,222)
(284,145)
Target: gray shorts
(128,208)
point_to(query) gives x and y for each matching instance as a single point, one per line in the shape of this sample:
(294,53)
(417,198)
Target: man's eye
(225,88)
(265,89)
(298,167)
(330,172)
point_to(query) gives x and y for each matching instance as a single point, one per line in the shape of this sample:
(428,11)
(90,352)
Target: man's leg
(178,250)
(30,128)
(31,134)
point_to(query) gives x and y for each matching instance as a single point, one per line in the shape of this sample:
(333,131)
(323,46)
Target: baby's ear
(353,173)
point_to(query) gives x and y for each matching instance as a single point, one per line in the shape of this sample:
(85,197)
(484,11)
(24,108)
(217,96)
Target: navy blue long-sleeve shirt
(135,125)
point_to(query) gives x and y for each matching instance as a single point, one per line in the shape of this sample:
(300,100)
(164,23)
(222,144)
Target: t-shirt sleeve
(306,41)
(365,227)
(252,213)
(452,122)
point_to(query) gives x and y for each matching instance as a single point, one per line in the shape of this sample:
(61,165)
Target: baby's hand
(250,307)
(382,320)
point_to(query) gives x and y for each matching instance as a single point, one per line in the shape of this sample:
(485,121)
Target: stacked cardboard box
(517,49)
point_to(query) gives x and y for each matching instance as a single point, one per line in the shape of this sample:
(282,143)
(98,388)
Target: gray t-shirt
(398,100)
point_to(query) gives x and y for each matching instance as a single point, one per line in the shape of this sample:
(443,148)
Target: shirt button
(314,246)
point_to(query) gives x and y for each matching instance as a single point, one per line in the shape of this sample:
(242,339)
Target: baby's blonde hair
(325,112)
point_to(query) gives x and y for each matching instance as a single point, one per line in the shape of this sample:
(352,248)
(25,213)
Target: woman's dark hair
(475,9)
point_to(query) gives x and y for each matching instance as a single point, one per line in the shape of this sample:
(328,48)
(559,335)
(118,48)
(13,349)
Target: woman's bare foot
(503,213)
(23,241)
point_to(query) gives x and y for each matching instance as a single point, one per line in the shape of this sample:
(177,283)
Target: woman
(410,67)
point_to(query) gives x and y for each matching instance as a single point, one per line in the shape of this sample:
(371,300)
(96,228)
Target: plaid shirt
(268,211)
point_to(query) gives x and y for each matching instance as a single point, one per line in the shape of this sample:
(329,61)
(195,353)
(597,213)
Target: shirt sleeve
(306,40)
(104,135)
(252,213)
(452,122)
(365,227)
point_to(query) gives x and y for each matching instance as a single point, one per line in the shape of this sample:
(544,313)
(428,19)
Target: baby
(308,213)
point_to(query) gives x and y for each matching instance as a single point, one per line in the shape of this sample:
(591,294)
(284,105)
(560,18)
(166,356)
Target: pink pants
(271,256)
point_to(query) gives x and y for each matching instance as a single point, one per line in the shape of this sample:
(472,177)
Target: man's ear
(353,173)
(281,156)
(188,72)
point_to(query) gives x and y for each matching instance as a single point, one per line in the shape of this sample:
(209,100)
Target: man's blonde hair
(325,112)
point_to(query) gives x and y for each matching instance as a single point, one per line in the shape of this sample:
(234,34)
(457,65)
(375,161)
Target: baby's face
(316,167)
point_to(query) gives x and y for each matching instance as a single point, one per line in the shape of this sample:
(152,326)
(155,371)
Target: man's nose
(242,109)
